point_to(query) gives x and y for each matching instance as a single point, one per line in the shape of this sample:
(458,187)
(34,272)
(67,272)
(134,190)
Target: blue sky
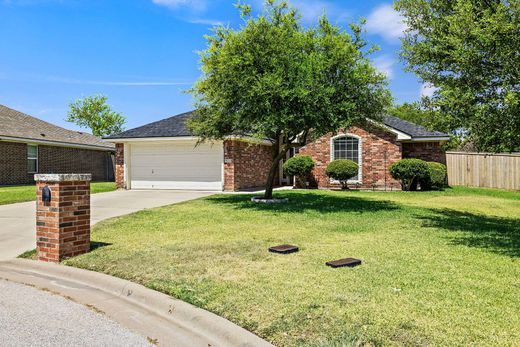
(142,53)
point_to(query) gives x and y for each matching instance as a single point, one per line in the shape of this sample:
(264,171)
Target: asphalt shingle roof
(170,127)
(22,126)
(412,129)
(176,126)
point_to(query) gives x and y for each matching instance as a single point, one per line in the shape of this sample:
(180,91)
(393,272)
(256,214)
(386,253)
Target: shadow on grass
(497,234)
(93,246)
(98,244)
(309,201)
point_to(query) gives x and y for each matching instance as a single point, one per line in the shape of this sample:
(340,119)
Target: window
(32,159)
(347,147)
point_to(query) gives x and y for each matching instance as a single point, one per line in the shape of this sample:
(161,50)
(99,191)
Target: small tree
(409,172)
(342,170)
(278,80)
(299,166)
(94,113)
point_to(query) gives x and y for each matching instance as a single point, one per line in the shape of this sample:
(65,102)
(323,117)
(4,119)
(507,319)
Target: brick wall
(51,159)
(63,225)
(13,164)
(246,165)
(379,149)
(120,165)
(429,151)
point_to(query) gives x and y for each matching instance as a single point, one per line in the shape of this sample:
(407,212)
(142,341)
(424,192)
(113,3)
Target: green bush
(410,172)
(436,179)
(299,166)
(342,170)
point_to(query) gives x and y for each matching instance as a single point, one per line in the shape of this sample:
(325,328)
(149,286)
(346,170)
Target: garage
(175,164)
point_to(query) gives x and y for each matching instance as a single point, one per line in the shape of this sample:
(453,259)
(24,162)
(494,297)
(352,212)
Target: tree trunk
(272,172)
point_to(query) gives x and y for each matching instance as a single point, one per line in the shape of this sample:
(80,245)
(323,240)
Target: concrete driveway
(18,225)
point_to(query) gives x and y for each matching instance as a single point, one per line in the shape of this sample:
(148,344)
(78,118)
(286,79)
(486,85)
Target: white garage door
(176,165)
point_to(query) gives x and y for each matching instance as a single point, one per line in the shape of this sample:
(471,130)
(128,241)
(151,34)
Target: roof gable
(21,126)
(170,127)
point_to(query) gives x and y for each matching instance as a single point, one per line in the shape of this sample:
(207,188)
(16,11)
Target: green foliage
(299,166)
(342,170)
(277,79)
(94,113)
(437,176)
(409,172)
(469,50)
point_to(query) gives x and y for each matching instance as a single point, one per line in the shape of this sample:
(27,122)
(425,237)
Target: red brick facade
(63,225)
(379,149)
(120,165)
(246,165)
(52,159)
(429,151)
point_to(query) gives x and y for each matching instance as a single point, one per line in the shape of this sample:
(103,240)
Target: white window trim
(360,156)
(33,158)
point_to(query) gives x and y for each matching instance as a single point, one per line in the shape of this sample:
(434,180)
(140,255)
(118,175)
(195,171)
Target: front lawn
(14,194)
(439,268)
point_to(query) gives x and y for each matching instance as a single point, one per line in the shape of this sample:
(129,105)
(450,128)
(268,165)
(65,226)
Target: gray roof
(412,129)
(170,127)
(176,126)
(23,127)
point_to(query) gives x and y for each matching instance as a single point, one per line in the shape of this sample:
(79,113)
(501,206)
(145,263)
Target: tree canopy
(470,51)
(278,80)
(94,113)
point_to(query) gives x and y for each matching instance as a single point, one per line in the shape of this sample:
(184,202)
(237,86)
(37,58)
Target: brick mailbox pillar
(62,216)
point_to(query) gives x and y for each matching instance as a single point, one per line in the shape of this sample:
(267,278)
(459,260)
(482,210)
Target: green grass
(14,194)
(439,268)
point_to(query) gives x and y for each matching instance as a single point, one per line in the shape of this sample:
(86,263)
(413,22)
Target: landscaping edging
(145,311)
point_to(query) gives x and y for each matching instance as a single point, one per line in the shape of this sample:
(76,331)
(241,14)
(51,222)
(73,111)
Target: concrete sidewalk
(149,313)
(18,221)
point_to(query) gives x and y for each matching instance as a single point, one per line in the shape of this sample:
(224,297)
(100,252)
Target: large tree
(275,79)
(94,113)
(470,51)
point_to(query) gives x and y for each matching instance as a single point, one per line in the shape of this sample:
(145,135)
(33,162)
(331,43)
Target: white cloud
(212,22)
(428,90)
(385,65)
(198,5)
(387,22)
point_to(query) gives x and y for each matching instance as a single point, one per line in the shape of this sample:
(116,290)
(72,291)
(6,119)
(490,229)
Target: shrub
(299,166)
(410,172)
(342,170)
(436,179)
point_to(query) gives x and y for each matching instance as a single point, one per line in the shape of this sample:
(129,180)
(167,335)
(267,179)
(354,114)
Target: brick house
(166,155)
(29,145)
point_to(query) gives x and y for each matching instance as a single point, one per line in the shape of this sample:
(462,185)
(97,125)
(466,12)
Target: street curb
(168,321)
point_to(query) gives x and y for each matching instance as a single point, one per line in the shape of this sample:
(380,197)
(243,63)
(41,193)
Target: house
(166,155)
(29,145)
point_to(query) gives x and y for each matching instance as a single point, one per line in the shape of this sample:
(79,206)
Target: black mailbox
(46,194)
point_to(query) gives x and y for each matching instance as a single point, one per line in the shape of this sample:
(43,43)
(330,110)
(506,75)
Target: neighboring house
(165,155)
(29,145)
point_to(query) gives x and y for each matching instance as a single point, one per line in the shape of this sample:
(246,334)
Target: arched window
(347,147)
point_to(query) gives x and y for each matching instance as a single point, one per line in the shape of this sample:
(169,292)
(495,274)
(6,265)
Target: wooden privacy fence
(484,170)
